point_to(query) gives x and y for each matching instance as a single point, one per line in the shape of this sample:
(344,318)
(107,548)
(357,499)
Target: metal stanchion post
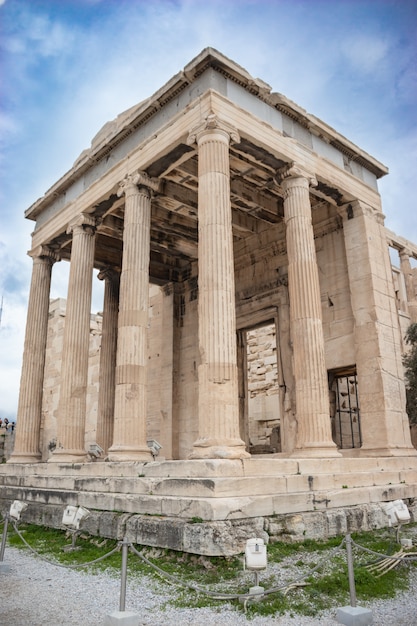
(123,617)
(352,615)
(4,537)
(3,566)
(349,556)
(125,549)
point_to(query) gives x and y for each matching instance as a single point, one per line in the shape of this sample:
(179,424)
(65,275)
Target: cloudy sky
(69,66)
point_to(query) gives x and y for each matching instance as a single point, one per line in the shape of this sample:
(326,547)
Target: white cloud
(365,52)
(8,124)
(397,189)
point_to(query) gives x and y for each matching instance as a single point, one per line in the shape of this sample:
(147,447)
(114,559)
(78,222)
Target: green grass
(323,587)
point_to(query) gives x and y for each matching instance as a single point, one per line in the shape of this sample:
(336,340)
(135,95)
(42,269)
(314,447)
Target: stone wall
(218,538)
(52,377)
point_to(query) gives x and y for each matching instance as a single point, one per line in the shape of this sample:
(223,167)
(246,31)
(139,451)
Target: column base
(215,449)
(316,452)
(68,456)
(129,453)
(22,457)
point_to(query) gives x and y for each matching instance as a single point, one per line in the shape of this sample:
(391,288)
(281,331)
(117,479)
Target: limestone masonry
(252,325)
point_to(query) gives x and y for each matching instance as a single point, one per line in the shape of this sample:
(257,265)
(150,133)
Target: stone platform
(213,506)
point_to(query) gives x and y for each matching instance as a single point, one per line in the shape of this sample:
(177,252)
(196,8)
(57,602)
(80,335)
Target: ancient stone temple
(212,210)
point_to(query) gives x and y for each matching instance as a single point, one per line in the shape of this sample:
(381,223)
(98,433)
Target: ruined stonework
(263,390)
(252,323)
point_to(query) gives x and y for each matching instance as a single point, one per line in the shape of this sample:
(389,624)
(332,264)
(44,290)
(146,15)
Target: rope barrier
(411,556)
(76,566)
(240,596)
(386,563)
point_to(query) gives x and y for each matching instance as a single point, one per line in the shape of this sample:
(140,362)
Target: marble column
(218,401)
(74,369)
(129,437)
(407,272)
(377,336)
(107,375)
(314,437)
(29,412)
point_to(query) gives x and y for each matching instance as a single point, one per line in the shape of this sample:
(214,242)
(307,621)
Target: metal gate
(346,412)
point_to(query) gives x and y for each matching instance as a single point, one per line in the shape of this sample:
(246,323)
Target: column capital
(405,253)
(83,221)
(44,252)
(132,182)
(108,273)
(210,124)
(294,170)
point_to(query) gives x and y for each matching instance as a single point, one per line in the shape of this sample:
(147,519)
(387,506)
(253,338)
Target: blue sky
(69,66)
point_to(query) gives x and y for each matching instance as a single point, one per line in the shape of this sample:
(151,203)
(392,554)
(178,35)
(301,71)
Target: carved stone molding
(212,122)
(136,180)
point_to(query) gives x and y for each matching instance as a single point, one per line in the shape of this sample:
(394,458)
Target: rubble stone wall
(263,389)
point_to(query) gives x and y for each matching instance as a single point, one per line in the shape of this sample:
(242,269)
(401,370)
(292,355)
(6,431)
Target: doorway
(260,411)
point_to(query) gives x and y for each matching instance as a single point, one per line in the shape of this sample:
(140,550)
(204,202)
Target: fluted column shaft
(74,370)
(311,387)
(129,437)
(218,403)
(29,412)
(107,378)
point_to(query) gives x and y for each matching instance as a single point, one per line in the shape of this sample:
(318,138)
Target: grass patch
(323,568)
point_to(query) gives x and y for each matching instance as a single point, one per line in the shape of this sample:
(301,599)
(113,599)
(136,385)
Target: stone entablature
(209,71)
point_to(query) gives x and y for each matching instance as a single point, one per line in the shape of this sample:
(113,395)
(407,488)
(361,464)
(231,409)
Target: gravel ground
(36,593)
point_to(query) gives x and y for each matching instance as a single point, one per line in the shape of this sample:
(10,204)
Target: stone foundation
(193,506)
